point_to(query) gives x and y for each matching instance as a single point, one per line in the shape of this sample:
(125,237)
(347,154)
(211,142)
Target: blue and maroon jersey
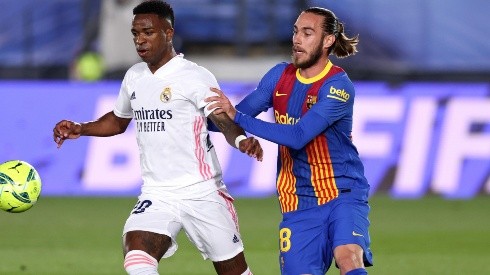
(317,159)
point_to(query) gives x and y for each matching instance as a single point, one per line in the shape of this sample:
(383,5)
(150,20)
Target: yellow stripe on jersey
(322,175)
(286,182)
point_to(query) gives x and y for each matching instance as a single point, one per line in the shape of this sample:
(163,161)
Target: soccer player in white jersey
(182,182)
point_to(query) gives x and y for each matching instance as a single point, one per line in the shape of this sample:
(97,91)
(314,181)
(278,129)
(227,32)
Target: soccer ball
(20,186)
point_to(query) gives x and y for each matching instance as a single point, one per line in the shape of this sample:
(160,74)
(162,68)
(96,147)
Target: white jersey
(177,157)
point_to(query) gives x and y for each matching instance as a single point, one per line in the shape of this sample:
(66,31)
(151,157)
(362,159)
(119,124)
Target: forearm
(226,126)
(107,125)
(295,136)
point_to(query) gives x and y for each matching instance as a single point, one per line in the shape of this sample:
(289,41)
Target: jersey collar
(310,80)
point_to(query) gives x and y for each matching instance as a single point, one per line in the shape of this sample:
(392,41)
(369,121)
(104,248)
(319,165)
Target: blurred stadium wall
(400,40)
(422,74)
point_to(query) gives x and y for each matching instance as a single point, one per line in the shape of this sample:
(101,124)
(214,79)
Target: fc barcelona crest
(310,100)
(166,95)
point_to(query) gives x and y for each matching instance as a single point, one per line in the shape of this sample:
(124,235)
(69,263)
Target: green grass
(83,236)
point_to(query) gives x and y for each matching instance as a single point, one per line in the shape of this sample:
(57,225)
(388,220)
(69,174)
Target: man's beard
(311,60)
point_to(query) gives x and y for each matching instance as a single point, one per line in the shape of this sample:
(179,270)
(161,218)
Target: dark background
(400,40)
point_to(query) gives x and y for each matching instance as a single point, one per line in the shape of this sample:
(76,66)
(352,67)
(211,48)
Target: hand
(251,147)
(66,129)
(222,103)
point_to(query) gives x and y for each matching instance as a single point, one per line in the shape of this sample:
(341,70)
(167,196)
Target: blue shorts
(308,237)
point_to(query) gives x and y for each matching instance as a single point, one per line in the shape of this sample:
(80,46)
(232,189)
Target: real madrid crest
(310,100)
(166,95)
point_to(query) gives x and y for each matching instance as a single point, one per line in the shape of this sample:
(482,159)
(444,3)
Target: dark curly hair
(160,8)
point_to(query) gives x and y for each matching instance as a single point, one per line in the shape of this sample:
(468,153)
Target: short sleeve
(123,104)
(202,90)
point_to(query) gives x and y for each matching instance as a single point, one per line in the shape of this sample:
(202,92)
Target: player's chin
(145,56)
(296,61)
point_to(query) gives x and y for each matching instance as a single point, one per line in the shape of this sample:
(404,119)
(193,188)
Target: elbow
(295,142)
(118,130)
(297,145)
(300,142)
(122,130)
(299,139)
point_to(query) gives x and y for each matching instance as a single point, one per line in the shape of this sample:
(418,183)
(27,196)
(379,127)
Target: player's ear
(328,41)
(169,34)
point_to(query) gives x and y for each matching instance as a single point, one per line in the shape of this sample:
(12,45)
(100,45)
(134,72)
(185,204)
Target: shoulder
(198,73)
(138,68)
(275,73)
(279,68)
(136,71)
(339,86)
(340,79)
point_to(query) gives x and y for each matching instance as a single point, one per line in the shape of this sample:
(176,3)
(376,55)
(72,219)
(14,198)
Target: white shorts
(210,223)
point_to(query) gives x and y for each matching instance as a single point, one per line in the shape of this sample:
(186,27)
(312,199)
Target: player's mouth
(142,52)
(297,51)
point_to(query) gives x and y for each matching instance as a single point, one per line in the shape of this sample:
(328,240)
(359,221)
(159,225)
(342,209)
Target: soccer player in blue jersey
(322,190)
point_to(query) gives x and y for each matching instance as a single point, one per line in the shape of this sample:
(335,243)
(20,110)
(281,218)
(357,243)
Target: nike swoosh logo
(278,94)
(356,234)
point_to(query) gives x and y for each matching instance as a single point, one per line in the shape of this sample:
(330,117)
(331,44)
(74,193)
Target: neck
(154,67)
(315,69)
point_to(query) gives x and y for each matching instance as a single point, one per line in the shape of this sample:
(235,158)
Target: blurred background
(421,125)
(422,75)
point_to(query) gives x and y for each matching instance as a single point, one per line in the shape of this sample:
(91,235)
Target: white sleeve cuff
(238,139)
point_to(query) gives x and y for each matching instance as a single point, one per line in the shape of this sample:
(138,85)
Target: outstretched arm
(294,136)
(236,136)
(221,103)
(107,125)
